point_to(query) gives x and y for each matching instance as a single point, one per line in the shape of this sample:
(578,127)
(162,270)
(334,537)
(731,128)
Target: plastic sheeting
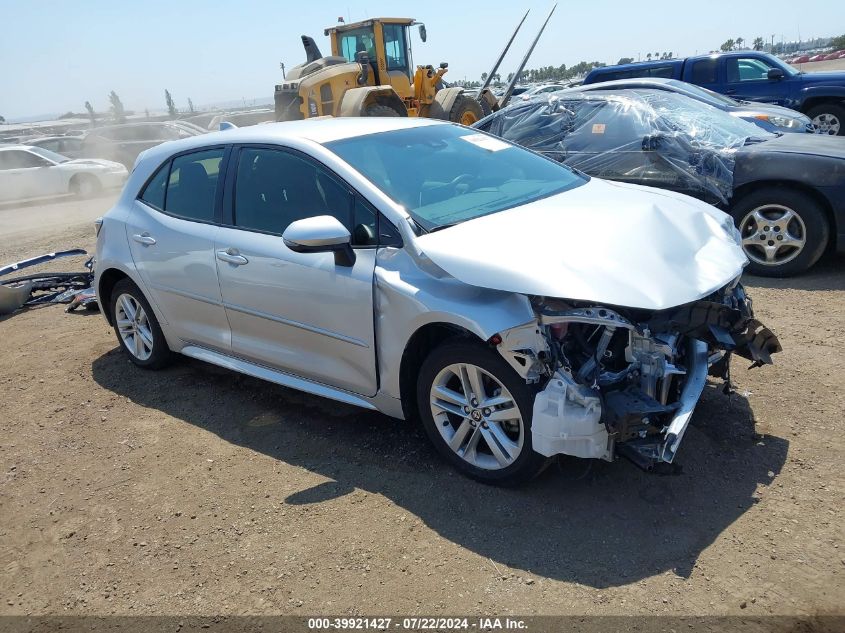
(647,137)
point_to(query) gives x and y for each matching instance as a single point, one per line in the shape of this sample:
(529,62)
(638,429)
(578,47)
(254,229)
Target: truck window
(356,41)
(660,71)
(394,47)
(704,71)
(747,69)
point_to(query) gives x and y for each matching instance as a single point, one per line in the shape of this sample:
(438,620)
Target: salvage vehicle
(770,117)
(124,141)
(786,193)
(749,76)
(70,146)
(520,309)
(32,172)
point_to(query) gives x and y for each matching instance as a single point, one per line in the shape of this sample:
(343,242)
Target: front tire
(829,118)
(85,186)
(466,111)
(784,231)
(137,328)
(378,109)
(477,412)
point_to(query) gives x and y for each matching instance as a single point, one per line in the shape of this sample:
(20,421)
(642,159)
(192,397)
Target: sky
(55,55)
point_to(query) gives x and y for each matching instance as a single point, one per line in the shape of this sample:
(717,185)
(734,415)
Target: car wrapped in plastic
(786,193)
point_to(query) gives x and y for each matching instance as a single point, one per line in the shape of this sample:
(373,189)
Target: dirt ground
(195,490)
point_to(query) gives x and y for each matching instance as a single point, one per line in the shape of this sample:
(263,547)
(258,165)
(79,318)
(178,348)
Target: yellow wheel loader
(369,73)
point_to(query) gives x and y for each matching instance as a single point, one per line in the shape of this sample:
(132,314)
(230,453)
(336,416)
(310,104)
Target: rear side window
(153,193)
(186,186)
(704,71)
(661,71)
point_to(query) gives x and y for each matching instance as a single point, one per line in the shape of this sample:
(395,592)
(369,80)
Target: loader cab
(386,43)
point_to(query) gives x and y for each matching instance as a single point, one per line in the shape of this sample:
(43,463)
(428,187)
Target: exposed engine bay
(625,381)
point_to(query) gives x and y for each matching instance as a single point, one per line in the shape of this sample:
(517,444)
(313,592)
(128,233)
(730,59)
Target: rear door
(298,312)
(171,233)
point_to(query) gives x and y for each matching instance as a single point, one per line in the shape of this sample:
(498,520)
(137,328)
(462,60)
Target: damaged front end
(625,381)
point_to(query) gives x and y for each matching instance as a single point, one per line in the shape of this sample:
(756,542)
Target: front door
(171,233)
(298,312)
(747,79)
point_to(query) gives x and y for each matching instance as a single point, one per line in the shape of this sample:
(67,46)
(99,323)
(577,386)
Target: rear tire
(829,118)
(771,219)
(378,109)
(486,436)
(137,328)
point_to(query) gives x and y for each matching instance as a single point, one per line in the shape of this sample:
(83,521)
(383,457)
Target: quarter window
(153,193)
(275,188)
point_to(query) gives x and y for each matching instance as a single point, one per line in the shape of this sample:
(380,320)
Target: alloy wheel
(477,416)
(773,234)
(133,326)
(827,124)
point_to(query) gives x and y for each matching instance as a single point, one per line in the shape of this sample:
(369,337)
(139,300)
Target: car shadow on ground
(590,522)
(827,274)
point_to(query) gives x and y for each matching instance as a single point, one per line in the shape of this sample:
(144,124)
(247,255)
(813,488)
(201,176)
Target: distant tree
(91,114)
(191,106)
(483,77)
(510,76)
(838,42)
(648,57)
(171,107)
(739,43)
(758,44)
(625,60)
(117,111)
(728,45)
(2,120)
(147,113)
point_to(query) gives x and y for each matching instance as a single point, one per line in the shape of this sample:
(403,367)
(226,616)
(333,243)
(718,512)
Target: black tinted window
(192,185)
(153,193)
(704,71)
(661,71)
(275,188)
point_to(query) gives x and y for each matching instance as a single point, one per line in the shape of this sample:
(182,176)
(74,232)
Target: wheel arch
(752,187)
(356,100)
(420,344)
(813,101)
(107,281)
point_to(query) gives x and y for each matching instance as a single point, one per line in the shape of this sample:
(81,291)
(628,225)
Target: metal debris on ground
(73,288)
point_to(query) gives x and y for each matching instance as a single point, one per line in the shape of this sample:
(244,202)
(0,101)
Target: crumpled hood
(603,242)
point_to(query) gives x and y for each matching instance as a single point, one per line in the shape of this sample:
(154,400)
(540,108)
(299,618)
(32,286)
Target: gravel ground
(195,490)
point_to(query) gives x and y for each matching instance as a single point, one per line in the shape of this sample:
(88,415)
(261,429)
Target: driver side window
(747,69)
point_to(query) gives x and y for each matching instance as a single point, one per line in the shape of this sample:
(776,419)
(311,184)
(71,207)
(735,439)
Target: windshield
(46,153)
(701,122)
(445,174)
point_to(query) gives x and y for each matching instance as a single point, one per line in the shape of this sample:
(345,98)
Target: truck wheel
(829,118)
(465,110)
(784,231)
(380,110)
(477,412)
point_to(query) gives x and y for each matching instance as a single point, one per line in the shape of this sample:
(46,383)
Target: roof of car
(6,148)
(319,130)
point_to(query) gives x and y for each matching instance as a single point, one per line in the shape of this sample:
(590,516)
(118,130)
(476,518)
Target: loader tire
(466,110)
(380,110)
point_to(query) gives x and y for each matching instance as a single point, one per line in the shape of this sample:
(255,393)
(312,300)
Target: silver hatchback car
(518,308)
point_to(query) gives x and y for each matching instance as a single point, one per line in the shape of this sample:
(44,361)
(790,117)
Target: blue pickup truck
(749,76)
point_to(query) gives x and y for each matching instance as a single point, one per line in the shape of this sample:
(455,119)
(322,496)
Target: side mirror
(652,142)
(775,73)
(423,34)
(320,234)
(363,59)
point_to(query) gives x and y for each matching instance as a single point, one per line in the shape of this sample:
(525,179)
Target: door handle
(232,256)
(730,91)
(144,238)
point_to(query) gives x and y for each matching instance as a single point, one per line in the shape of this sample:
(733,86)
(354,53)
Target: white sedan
(34,172)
